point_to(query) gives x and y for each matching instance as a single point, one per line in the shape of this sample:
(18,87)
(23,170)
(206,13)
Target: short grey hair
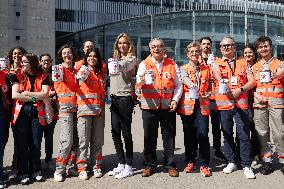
(156,39)
(228,37)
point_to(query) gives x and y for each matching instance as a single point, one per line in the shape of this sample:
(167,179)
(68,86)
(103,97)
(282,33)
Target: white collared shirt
(178,86)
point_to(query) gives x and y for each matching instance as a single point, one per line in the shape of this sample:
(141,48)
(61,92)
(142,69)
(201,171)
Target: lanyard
(233,69)
(197,72)
(267,63)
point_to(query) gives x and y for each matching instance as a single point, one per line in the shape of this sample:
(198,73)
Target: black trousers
(28,134)
(121,119)
(151,120)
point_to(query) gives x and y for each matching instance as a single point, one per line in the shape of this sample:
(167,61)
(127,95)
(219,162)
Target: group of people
(35,97)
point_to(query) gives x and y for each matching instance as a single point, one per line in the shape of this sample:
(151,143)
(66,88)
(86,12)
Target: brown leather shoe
(173,172)
(148,172)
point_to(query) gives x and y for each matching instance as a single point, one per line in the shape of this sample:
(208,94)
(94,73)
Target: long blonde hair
(131,49)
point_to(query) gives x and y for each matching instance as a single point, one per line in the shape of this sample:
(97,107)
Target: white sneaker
(83,175)
(37,177)
(25,181)
(230,168)
(249,173)
(2,186)
(58,177)
(97,172)
(127,172)
(116,170)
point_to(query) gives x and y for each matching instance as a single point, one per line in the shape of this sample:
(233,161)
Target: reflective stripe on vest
(83,97)
(66,92)
(273,90)
(269,90)
(63,95)
(88,96)
(39,104)
(186,106)
(159,95)
(226,102)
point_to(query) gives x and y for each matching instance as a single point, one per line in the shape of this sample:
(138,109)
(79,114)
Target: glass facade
(75,15)
(180,28)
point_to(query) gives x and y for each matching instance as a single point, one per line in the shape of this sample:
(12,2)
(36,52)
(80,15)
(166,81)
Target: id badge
(234,81)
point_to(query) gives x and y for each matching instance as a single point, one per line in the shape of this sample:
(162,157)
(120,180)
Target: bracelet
(33,99)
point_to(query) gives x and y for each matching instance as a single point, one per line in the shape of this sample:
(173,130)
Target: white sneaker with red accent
(116,170)
(83,175)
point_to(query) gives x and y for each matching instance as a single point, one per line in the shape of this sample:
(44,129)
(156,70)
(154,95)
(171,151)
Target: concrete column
(138,46)
(177,49)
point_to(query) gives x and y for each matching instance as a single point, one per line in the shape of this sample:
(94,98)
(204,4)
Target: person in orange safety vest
(65,86)
(269,104)
(158,89)
(194,109)
(89,96)
(28,117)
(232,84)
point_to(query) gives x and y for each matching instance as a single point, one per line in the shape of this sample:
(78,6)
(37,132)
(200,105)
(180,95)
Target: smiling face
(264,50)
(249,54)
(157,49)
(92,59)
(45,62)
(26,64)
(17,55)
(123,46)
(67,55)
(227,48)
(193,54)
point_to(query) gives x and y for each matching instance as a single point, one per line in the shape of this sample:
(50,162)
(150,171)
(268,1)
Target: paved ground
(160,179)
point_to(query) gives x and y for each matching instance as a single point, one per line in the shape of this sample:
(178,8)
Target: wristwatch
(242,89)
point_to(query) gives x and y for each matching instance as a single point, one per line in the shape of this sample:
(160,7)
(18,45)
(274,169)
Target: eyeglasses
(226,46)
(157,46)
(196,52)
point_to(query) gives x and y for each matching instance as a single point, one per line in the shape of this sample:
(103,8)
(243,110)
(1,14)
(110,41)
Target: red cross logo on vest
(167,75)
(56,75)
(82,72)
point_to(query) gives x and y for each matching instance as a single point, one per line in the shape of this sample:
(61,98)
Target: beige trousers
(269,124)
(90,131)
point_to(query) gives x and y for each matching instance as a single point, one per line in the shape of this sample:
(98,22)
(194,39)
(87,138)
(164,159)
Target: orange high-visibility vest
(273,90)
(4,88)
(66,92)
(226,102)
(88,96)
(186,106)
(159,94)
(101,76)
(25,85)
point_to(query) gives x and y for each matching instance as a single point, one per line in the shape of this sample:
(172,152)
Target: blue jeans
(216,126)
(243,129)
(48,131)
(196,128)
(28,134)
(1,146)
